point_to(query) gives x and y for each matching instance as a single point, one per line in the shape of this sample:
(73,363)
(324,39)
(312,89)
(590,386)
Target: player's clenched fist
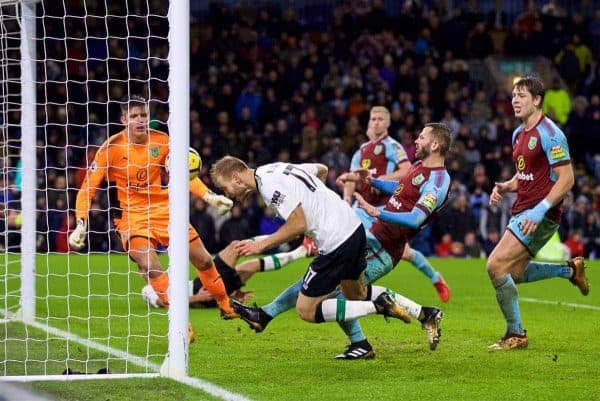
(222,203)
(77,237)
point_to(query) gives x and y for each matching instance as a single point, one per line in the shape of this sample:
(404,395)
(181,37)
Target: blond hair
(225,167)
(383,110)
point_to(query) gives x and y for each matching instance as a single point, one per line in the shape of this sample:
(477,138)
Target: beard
(422,152)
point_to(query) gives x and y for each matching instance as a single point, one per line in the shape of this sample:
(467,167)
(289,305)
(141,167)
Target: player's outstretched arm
(371,210)
(412,219)
(349,187)
(95,174)
(222,203)
(293,227)
(386,186)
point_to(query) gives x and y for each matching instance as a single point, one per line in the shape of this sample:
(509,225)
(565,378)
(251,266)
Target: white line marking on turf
(559,303)
(194,382)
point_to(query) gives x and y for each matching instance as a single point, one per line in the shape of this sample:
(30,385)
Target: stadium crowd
(267,85)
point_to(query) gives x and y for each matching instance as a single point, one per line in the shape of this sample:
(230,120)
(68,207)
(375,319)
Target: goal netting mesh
(89,55)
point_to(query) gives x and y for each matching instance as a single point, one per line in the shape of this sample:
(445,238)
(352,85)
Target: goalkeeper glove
(77,237)
(222,203)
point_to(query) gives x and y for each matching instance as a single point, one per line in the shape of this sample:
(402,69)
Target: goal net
(66,67)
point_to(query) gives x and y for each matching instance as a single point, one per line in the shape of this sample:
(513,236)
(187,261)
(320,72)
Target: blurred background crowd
(272,81)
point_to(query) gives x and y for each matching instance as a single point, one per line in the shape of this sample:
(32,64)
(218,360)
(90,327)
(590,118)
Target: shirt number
(302,176)
(310,274)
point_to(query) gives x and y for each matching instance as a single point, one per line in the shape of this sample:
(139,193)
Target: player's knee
(204,264)
(306,313)
(142,263)
(202,261)
(494,266)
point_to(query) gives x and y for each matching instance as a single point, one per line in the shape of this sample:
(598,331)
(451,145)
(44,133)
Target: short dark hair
(132,101)
(443,134)
(533,84)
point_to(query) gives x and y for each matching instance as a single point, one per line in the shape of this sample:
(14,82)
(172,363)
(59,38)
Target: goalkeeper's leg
(141,250)
(210,278)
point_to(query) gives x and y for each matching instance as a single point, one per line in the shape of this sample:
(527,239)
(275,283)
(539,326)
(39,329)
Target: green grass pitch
(292,360)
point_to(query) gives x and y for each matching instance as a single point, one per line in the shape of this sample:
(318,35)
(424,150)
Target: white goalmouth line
(559,303)
(194,382)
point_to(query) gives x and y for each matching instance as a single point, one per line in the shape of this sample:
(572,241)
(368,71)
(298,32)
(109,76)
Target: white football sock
(341,310)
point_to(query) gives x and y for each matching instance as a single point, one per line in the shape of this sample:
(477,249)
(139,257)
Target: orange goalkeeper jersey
(135,171)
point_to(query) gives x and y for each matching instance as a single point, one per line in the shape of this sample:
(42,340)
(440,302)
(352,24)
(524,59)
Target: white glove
(222,203)
(150,296)
(77,237)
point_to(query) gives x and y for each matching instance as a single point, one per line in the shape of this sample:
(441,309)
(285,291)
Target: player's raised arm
(96,173)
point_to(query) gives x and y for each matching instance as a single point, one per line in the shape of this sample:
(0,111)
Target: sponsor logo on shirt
(401,154)
(277,199)
(532,142)
(395,203)
(418,179)
(520,163)
(557,152)
(365,163)
(525,177)
(429,200)
(398,189)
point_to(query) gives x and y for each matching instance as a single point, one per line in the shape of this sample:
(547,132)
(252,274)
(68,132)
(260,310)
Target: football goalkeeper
(131,161)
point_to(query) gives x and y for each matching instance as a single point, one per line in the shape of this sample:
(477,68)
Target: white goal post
(60,311)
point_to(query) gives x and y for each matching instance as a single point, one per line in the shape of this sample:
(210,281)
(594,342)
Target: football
(194,163)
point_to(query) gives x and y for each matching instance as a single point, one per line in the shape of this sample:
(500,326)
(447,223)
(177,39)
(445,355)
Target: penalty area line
(194,382)
(559,303)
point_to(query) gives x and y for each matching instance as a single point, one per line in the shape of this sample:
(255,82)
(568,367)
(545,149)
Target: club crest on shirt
(520,163)
(365,163)
(557,152)
(378,149)
(154,152)
(418,179)
(277,199)
(532,142)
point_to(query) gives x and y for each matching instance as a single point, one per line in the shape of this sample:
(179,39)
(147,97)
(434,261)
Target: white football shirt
(330,221)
